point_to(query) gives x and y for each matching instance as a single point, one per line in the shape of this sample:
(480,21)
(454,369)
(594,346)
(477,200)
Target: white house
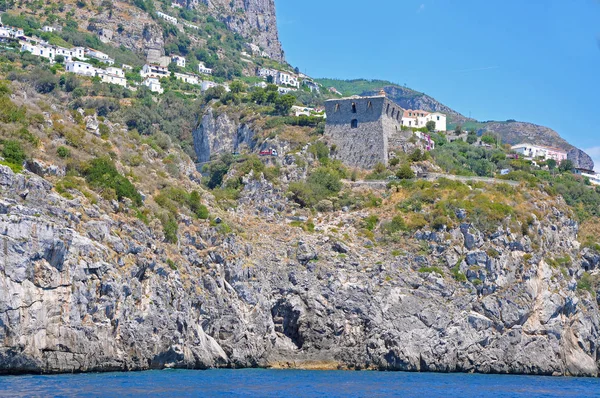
(151,70)
(266,72)
(40,50)
(189,25)
(538,151)
(153,84)
(12,32)
(71,53)
(81,68)
(208,84)
(127,67)
(279,77)
(302,110)
(99,55)
(284,90)
(441,121)
(167,18)
(175,5)
(179,60)
(420,118)
(113,76)
(287,79)
(48,29)
(311,85)
(188,78)
(204,70)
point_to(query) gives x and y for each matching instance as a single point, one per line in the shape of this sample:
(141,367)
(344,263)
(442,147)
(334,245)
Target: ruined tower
(363,129)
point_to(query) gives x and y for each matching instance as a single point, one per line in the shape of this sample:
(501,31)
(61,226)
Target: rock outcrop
(581,159)
(219,134)
(257,22)
(86,290)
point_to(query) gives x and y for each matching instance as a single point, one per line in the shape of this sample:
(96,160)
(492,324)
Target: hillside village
(417,121)
(187,199)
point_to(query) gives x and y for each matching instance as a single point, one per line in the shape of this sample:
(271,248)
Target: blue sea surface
(294,383)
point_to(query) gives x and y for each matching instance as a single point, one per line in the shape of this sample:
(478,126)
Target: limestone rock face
(218,134)
(82,289)
(258,21)
(580,159)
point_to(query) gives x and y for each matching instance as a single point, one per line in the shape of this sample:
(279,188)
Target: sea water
(294,383)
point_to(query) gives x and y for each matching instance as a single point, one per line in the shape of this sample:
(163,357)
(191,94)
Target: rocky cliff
(253,19)
(87,289)
(217,134)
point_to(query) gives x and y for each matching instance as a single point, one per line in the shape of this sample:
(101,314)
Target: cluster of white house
(286,81)
(531,151)
(535,152)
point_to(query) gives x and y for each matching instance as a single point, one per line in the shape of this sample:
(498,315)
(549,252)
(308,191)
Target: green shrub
(63,152)
(170,228)
(397,224)
(319,150)
(586,283)
(104,131)
(321,184)
(102,174)
(405,173)
(13,152)
(171,264)
(196,207)
(456,274)
(370,222)
(11,113)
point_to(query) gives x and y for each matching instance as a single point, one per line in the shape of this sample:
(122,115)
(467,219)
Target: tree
(284,103)
(416,155)
(46,83)
(270,79)
(551,163)
(237,87)
(70,82)
(488,139)
(566,165)
(471,138)
(458,130)
(430,126)
(405,173)
(214,93)
(60,59)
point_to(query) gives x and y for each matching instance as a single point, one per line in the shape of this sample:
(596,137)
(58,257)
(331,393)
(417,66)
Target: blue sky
(535,60)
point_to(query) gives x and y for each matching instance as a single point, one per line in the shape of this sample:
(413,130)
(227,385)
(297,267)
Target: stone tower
(363,129)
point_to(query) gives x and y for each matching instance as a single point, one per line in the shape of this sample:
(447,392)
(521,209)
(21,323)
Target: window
(393,112)
(438,118)
(387,110)
(370,106)
(354,123)
(337,107)
(398,116)
(353,107)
